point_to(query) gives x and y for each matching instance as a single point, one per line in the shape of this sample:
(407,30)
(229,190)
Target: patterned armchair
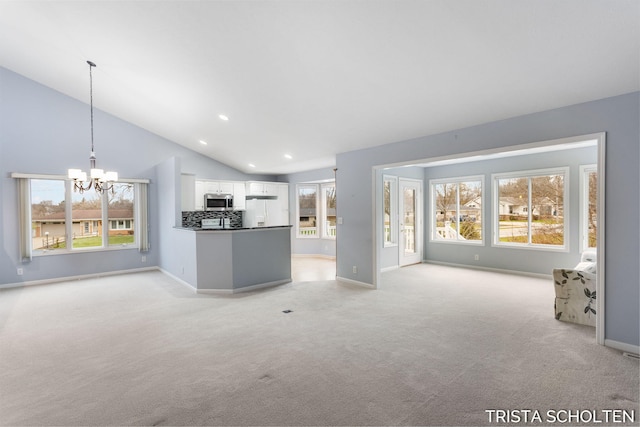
(576,292)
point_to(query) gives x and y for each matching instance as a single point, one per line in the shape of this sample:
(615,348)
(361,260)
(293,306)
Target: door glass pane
(86,212)
(329,211)
(47,215)
(547,216)
(409,231)
(121,214)
(387,211)
(513,196)
(592,218)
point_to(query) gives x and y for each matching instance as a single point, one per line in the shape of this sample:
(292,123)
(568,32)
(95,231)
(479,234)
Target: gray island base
(239,260)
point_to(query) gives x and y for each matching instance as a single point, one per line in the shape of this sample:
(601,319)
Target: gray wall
(43,131)
(325,247)
(617,116)
(527,260)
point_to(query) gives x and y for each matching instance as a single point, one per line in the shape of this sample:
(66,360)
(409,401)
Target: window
(457,210)
(390,210)
(329,211)
(589,204)
(316,210)
(307,210)
(121,214)
(54,219)
(86,209)
(530,208)
(48,218)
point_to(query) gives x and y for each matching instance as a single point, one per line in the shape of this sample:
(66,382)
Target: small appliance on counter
(215,223)
(212,223)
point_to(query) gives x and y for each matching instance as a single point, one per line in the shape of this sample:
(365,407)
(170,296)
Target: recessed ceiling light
(288,156)
(203,142)
(251,165)
(223,117)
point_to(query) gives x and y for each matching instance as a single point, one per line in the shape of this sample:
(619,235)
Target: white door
(410,218)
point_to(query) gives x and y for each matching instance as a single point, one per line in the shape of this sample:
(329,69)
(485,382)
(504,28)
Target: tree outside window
(121,214)
(307,210)
(457,214)
(531,209)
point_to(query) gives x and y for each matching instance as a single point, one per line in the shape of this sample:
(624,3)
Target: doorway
(410,222)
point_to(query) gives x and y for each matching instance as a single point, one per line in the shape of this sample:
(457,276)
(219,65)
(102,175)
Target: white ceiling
(316,78)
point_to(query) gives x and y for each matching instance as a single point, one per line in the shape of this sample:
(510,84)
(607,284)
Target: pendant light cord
(91,65)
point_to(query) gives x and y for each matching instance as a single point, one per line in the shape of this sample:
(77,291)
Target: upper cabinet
(218,187)
(237,188)
(239,196)
(193,192)
(261,188)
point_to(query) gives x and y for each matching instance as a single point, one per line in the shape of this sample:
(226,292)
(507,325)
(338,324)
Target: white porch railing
(447,233)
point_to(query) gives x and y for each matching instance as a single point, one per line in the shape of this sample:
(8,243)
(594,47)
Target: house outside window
(48,218)
(121,213)
(530,208)
(457,210)
(59,215)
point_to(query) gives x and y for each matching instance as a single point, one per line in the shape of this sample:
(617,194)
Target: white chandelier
(99,179)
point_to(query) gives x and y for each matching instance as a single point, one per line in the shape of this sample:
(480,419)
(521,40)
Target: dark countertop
(232,229)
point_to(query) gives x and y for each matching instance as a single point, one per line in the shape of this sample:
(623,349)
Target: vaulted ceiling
(310,79)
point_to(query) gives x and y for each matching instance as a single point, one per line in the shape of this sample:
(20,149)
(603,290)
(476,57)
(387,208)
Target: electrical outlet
(20,271)
(144,258)
(355,270)
(476,257)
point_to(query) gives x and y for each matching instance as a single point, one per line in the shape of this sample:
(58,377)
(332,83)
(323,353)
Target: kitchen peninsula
(236,259)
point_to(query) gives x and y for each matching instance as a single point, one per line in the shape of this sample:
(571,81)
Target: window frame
(393,211)
(432,201)
(529,174)
(585,170)
(321,216)
(316,235)
(140,242)
(324,229)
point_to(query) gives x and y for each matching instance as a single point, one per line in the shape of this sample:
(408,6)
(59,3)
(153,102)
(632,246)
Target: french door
(410,218)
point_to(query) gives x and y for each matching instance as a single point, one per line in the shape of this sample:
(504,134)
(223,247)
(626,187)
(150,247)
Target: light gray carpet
(434,346)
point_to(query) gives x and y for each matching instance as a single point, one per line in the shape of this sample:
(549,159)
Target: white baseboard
(355,282)
(495,270)
(79,277)
(393,267)
(244,289)
(629,348)
(177,279)
(331,257)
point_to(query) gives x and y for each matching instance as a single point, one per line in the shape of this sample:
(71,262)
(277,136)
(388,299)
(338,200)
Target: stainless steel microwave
(218,202)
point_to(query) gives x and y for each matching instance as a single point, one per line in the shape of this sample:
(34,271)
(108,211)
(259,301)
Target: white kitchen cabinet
(261,188)
(218,187)
(283,202)
(237,188)
(199,200)
(239,196)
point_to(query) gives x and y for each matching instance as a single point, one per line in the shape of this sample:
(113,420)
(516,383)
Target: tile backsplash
(193,219)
